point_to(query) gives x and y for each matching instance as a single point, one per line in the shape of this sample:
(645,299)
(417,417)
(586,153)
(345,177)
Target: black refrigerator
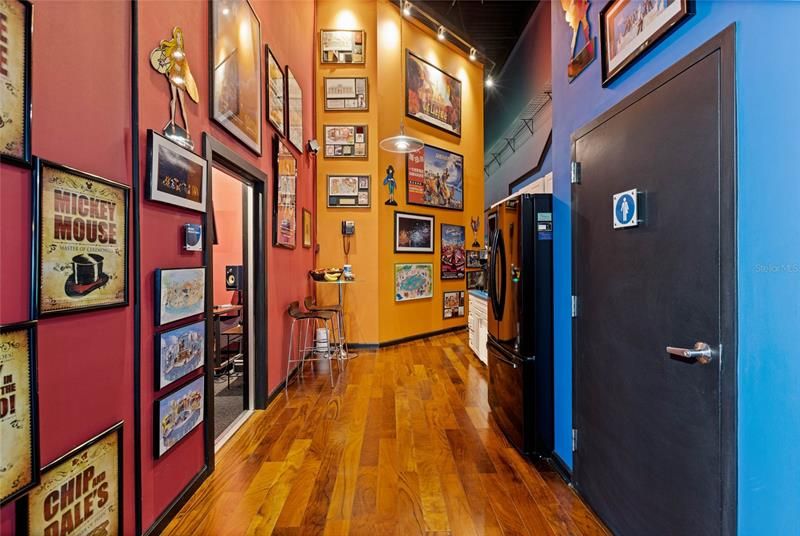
(520,342)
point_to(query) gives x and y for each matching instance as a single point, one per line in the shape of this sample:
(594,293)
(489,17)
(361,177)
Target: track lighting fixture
(472,54)
(407,9)
(440,33)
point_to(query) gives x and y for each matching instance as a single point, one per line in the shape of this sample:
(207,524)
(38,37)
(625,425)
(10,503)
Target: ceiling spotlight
(440,33)
(473,54)
(489,81)
(407,9)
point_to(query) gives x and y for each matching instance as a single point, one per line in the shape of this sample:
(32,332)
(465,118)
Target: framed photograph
(346,141)
(295,94)
(476,280)
(307,235)
(81,240)
(177,414)
(179,293)
(19,415)
(454,258)
(93,471)
(413,281)
(342,46)
(175,175)
(432,95)
(474,258)
(349,94)
(453,304)
(628,28)
(435,178)
(413,233)
(179,351)
(15,91)
(235,67)
(348,191)
(284,204)
(276,87)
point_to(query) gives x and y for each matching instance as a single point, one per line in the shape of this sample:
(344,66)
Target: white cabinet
(478,323)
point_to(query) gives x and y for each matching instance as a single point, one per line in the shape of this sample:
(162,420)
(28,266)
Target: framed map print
(432,95)
(346,94)
(15,82)
(276,86)
(342,46)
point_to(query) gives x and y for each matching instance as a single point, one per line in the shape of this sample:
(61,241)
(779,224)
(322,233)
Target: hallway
(403,444)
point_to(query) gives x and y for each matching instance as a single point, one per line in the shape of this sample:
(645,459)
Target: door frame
(724,43)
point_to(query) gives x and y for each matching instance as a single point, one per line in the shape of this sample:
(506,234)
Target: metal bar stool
(309,320)
(336,309)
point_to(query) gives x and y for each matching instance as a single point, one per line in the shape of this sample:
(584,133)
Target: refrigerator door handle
(498,294)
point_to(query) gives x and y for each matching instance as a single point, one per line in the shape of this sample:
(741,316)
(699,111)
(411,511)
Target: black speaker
(233,277)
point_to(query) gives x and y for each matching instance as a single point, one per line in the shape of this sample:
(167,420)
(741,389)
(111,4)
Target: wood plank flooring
(404,444)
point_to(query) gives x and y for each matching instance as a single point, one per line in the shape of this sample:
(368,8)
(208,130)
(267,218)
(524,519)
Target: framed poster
(349,94)
(453,304)
(276,86)
(413,233)
(175,175)
(474,258)
(307,228)
(177,414)
(628,28)
(342,46)
(179,293)
(432,95)
(19,415)
(454,258)
(476,280)
(235,67)
(346,141)
(284,202)
(81,492)
(81,240)
(179,351)
(413,281)
(15,82)
(349,191)
(295,95)
(435,178)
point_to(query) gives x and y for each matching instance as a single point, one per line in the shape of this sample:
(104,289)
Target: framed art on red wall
(284,204)
(15,91)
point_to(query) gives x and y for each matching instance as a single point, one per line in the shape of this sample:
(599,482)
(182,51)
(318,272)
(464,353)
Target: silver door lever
(701,352)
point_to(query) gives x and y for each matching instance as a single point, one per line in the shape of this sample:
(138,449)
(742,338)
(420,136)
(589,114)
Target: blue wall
(547,167)
(768,93)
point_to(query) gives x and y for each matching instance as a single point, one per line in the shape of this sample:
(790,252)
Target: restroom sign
(626,209)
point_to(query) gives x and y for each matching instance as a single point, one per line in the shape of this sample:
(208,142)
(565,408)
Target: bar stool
(336,309)
(309,320)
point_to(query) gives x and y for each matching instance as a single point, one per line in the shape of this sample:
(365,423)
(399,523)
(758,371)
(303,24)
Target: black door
(655,431)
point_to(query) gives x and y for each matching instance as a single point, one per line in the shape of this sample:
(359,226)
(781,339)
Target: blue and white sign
(626,209)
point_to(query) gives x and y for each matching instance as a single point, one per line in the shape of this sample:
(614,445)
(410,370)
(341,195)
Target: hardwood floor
(404,443)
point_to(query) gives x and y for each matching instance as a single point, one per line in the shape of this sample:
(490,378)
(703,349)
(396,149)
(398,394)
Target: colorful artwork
(179,352)
(575,13)
(413,233)
(284,227)
(454,258)
(435,178)
(276,82)
(180,293)
(341,46)
(453,304)
(345,141)
(15,90)
(348,191)
(432,95)
(177,414)
(175,175)
(295,94)
(474,258)
(346,94)
(413,281)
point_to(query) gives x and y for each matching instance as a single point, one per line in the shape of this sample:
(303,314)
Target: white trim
(231,430)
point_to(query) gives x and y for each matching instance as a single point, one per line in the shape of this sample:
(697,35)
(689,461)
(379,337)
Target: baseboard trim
(175,506)
(413,338)
(561,468)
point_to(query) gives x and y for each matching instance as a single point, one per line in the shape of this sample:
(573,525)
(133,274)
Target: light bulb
(473,54)
(407,9)
(401,145)
(489,81)
(440,33)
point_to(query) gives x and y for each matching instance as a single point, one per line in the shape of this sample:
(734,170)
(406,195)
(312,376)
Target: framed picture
(453,304)
(276,87)
(474,258)
(349,94)
(179,351)
(432,95)
(235,67)
(19,415)
(476,280)
(628,28)
(175,175)
(177,414)
(348,191)
(413,281)
(90,478)
(413,233)
(179,293)
(346,141)
(284,211)
(435,178)
(81,240)
(15,91)
(295,95)
(342,46)
(454,258)
(307,228)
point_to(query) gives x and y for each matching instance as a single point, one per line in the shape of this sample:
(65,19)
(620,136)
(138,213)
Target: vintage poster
(180,351)
(19,463)
(275,87)
(83,241)
(180,293)
(81,492)
(177,414)
(15,19)
(413,281)
(454,258)
(435,178)
(295,95)
(432,95)
(285,224)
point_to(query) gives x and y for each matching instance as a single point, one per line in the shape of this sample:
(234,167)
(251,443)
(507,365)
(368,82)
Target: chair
(308,320)
(337,310)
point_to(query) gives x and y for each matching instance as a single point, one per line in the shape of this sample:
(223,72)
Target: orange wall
(228,214)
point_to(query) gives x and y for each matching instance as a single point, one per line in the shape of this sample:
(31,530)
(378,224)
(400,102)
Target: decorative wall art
(346,94)
(175,175)
(345,141)
(348,191)
(342,46)
(81,492)
(473,258)
(307,235)
(476,280)
(177,414)
(413,233)
(475,224)
(575,13)
(81,250)
(19,423)
(413,282)
(435,178)
(629,28)
(236,70)
(453,304)
(432,95)
(179,293)
(276,87)
(284,207)
(179,351)
(391,184)
(295,95)
(453,256)
(15,85)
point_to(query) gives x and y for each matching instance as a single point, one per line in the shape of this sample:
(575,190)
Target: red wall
(228,214)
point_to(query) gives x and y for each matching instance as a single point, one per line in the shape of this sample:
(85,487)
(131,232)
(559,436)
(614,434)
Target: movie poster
(435,178)
(432,95)
(80,493)
(18,461)
(14,40)
(454,258)
(82,241)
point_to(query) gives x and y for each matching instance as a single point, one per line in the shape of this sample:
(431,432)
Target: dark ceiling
(492,26)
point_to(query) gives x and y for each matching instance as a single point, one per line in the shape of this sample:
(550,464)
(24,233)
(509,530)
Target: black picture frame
(25,160)
(476,280)
(295,136)
(458,273)
(282,128)
(344,100)
(410,56)
(155,143)
(158,382)
(462,306)
(327,61)
(363,190)
(474,258)
(431,222)
(276,197)
(198,379)
(158,276)
(33,402)
(408,178)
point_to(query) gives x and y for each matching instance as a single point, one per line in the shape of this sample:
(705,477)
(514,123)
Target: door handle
(702,352)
